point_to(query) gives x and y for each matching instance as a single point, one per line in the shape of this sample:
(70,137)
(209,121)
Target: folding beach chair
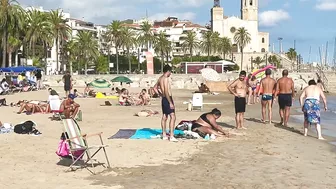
(55,108)
(79,145)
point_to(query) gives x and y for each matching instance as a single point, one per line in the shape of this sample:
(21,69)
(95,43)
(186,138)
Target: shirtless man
(285,93)
(267,86)
(311,107)
(239,88)
(70,107)
(163,86)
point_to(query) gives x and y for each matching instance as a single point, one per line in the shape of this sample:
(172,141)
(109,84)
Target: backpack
(63,149)
(24,128)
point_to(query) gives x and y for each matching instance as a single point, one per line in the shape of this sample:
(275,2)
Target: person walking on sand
(239,88)
(67,80)
(167,103)
(267,86)
(311,107)
(285,92)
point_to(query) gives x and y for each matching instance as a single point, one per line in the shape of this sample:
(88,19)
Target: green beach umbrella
(100,83)
(122,79)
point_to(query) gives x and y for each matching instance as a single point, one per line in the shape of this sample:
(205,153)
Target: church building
(227,26)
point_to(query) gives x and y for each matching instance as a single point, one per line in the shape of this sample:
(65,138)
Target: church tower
(249,10)
(217,16)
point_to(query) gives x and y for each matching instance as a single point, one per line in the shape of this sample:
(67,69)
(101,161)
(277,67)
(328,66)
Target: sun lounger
(79,146)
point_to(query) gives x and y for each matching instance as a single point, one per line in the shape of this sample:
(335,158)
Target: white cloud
(326,5)
(273,17)
(104,11)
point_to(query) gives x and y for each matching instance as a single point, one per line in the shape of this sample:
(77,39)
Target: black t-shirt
(38,75)
(67,80)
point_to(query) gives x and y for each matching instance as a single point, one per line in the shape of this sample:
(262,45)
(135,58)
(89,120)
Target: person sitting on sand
(4,87)
(88,91)
(203,89)
(207,124)
(77,94)
(31,107)
(143,98)
(311,107)
(69,107)
(124,98)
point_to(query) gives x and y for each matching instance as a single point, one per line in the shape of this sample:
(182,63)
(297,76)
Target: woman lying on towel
(206,124)
(32,107)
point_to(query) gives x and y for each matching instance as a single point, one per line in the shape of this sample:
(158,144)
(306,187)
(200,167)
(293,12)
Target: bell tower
(217,16)
(249,10)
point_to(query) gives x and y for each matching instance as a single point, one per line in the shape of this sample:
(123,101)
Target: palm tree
(38,27)
(274,60)
(71,52)
(224,46)
(11,16)
(128,41)
(207,43)
(161,46)
(292,55)
(242,38)
(12,45)
(190,43)
(60,30)
(258,60)
(88,47)
(114,33)
(146,36)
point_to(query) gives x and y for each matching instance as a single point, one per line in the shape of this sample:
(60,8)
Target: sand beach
(263,156)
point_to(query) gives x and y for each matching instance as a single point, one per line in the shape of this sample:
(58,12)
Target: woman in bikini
(207,124)
(124,98)
(252,83)
(31,107)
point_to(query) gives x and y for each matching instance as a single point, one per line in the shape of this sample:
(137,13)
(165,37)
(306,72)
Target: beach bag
(24,128)
(63,149)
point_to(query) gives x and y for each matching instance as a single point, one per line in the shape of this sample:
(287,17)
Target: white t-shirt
(4,86)
(53,97)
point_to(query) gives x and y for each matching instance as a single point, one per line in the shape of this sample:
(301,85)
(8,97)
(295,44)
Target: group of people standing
(281,90)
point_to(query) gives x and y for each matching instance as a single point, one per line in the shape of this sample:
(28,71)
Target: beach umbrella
(210,74)
(100,83)
(122,79)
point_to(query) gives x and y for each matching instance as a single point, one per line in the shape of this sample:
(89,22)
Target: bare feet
(243,128)
(321,138)
(173,139)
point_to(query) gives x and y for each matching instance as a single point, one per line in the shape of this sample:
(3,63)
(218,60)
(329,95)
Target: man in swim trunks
(70,107)
(285,93)
(167,103)
(239,88)
(267,86)
(311,107)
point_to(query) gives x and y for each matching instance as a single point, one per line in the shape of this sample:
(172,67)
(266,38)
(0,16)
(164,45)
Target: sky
(311,23)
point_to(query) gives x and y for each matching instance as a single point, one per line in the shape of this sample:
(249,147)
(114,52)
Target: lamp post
(280,44)
(251,59)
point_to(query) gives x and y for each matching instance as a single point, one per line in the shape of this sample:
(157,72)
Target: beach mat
(124,134)
(145,133)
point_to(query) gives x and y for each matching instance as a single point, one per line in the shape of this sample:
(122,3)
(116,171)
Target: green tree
(12,45)
(292,55)
(224,46)
(242,37)
(161,45)
(115,33)
(190,43)
(60,31)
(146,37)
(101,65)
(258,60)
(11,17)
(274,61)
(207,43)
(88,47)
(128,41)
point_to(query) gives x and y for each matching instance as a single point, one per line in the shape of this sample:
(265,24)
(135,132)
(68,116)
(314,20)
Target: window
(49,54)
(263,50)
(251,3)
(263,40)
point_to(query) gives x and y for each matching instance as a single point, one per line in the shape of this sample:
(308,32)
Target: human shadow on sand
(291,129)
(226,125)
(254,120)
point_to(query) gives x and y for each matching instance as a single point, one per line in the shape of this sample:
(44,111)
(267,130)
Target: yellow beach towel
(100,95)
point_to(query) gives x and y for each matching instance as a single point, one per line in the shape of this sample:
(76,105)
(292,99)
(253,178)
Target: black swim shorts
(240,104)
(285,100)
(166,107)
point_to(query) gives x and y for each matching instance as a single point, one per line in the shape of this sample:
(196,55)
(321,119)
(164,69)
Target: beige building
(227,27)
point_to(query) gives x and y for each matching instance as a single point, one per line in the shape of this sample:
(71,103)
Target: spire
(216,3)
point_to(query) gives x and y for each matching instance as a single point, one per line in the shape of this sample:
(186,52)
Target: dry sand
(264,156)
